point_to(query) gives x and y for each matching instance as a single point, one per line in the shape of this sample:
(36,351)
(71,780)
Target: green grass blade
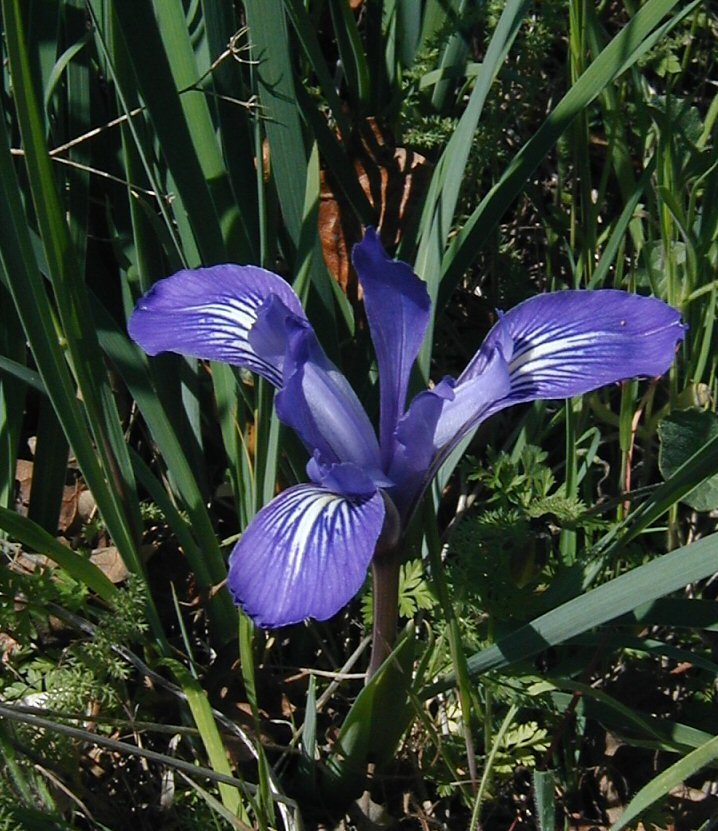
(216,806)
(662,784)
(627,216)
(27,376)
(544,796)
(308,40)
(440,205)
(153,77)
(689,475)
(41,330)
(408,31)
(351,53)
(229,89)
(611,600)
(271,49)
(336,159)
(12,392)
(453,57)
(185,72)
(142,167)
(376,721)
(508,720)
(206,559)
(117,500)
(49,469)
(210,735)
(622,52)
(36,538)
(649,647)
(78,122)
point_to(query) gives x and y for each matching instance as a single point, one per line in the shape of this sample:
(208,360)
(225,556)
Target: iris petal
(397,306)
(571,342)
(304,555)
(437,420)
(209,312)
(318,403)
(551,346)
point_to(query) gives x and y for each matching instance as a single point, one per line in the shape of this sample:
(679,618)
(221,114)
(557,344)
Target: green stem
(456,648)
(385,574)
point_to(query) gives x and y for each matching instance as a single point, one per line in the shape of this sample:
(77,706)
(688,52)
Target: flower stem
(385,574)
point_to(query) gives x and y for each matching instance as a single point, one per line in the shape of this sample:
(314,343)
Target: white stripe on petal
(546,347)
(304,555)
(570,342)
(209,313)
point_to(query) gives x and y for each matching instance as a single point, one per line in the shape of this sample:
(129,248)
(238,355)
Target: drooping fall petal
(306,554)
(209,313)
(571,342)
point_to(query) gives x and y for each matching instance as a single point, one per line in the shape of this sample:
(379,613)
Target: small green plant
(415,593)
(503,553)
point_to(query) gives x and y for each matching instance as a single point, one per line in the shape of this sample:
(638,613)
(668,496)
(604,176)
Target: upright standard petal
(304,555)
(209,312)
(397,306)
(318,402)
(571,342)
(437,420)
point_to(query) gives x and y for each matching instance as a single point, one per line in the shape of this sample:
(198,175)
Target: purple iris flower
(307,552)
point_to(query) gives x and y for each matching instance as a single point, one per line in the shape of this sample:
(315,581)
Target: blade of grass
(183,66)
(210,735)
(12,392)
(544,782)
(228,83)
(152,73)
(667,780)
(78,122)
(599,278)
(206,558)
(308,40)
(657,733)
(622,52)
(440,205)
(138,148)
(655,579)
(117,501)
(30,534)
(351,53)
(246,654)
(488,765)
(453,58)
(49,469)
(27,289)
(336,160)
(216,805)
(649,647)
(94,738)
(27,376)
(408,30)
(271,48)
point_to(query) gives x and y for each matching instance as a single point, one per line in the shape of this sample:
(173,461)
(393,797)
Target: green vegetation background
(559,661)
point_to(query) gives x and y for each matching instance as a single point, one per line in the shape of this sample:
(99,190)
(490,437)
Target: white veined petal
(209,313)
(570,342)
(304,555)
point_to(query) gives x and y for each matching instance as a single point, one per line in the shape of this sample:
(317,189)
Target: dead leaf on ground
(77,503)
(391,177)
(69,513)
(8,645)
(23,484)
(110,562)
